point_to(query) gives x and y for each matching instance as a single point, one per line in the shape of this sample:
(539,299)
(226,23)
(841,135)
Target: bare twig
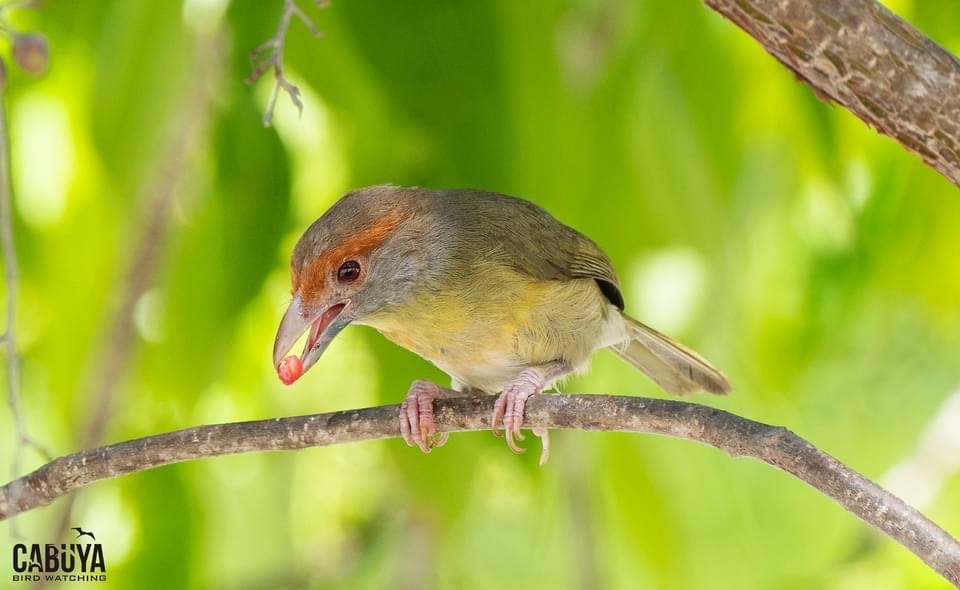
(269,55)
(869,60)
(11,280)
(737,436)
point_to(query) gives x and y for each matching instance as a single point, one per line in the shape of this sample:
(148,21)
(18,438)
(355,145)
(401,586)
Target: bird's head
(360,257)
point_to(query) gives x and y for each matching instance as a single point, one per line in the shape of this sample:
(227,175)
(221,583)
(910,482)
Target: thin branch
(11,282)
(737,436)
(866,58)
(269,55)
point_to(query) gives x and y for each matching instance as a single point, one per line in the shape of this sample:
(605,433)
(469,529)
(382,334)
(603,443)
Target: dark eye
(349,271)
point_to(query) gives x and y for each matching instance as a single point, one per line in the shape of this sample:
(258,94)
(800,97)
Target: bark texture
(735,435)
(861,55)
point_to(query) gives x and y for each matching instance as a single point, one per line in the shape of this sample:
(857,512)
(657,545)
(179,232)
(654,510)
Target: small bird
(490,288)
(81,533)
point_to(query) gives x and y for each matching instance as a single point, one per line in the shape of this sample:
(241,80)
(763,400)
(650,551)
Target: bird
(490,288)
(81,533)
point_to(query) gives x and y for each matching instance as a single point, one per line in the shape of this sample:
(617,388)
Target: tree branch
(869,60)
(737,436)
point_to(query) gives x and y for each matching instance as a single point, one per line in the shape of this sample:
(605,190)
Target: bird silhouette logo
(81,533)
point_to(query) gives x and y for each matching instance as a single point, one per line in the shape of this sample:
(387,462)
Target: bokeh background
(813,260)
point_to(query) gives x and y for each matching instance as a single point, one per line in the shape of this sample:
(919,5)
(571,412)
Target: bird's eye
(349,271)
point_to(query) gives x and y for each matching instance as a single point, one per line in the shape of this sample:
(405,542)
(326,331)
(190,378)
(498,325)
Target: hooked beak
(324,325)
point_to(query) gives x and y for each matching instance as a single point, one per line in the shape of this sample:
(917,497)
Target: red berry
(290,369)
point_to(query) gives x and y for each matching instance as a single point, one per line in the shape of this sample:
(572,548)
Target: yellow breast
(484,331)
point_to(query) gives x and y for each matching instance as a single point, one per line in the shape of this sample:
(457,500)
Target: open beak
(324,324)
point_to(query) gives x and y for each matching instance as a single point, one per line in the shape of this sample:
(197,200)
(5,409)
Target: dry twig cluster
(269,56)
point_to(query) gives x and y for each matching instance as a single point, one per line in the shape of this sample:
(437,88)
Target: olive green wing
(576,257)
(554,251)
(525,237)
(589,261)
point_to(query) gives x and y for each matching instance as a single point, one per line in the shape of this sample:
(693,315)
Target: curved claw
(513,446)
(544,436)
(417,425)
(517,433)
(510,407)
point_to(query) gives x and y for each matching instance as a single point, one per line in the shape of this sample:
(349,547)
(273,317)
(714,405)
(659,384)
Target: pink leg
(416,415)
(512,402)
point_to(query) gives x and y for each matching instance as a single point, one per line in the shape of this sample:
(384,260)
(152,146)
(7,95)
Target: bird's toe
(499,411)
(405,424)
(417,425)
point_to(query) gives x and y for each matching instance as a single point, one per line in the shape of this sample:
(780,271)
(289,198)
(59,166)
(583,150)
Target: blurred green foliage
(813,260)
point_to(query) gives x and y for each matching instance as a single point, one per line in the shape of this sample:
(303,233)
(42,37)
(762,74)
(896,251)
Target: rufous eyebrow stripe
(357,245)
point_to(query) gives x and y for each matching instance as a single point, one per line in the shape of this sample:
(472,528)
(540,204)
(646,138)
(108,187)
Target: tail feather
(673,366)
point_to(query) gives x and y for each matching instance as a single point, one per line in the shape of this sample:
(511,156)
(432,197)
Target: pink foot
(510,407)
(416,416)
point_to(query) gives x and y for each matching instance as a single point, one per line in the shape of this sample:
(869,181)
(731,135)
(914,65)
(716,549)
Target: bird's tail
(673,366)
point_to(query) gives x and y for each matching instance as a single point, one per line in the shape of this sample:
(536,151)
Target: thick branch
(869,60)
(733,434)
